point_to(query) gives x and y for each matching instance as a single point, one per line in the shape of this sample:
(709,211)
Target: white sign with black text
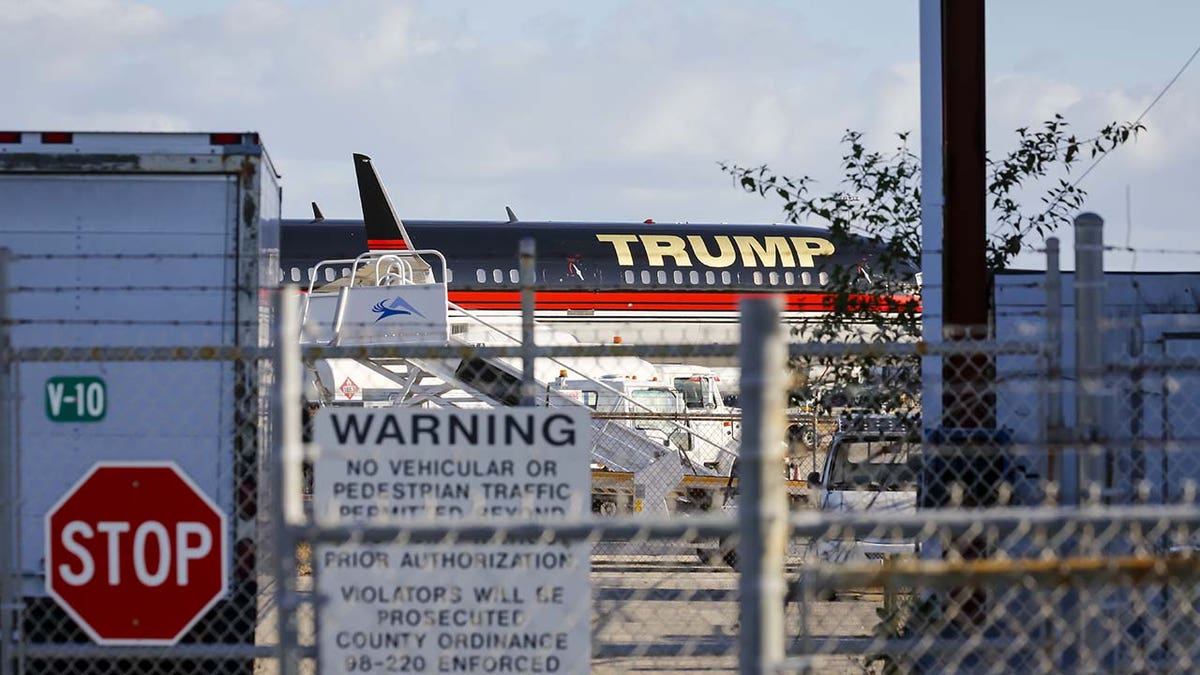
(453,607)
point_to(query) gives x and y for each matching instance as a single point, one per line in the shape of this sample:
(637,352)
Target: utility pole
(967,401)
(954,220)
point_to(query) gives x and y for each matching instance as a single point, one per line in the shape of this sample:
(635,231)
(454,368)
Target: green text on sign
(76,399)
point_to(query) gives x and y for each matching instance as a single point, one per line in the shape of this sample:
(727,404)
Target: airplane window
(662,276)
(694,277)
(678,277)
(515,276)
(806,278)
(480,276)
(497,275)
(645,276)
(629,276)
(789,278)
(710,278)
(345,271)
(774,277)
(330,274)
(449,275)
(726,278)
(295,274)
(758,278)
(824,277)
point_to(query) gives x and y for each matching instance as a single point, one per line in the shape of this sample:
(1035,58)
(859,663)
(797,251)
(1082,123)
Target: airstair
(394,298)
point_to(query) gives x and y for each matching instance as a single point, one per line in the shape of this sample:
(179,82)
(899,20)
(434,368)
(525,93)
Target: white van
(873,466)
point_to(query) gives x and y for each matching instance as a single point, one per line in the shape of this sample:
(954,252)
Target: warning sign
(511,607)
(349,388)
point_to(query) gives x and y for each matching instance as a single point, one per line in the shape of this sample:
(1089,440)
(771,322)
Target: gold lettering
(660,245)
(753,252)
(809,247)
(620,244)
(723,259)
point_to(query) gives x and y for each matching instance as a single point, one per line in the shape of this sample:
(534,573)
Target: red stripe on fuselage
(387,244)
(702,301)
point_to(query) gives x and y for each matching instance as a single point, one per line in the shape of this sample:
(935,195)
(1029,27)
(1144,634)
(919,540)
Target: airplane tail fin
(385,230)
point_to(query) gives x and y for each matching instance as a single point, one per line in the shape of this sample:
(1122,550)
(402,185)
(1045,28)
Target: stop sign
(136,553)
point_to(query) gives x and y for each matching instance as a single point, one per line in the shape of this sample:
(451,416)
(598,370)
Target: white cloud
(613,112)
(1022,100)
(1158,168)
(895,94)
(635,102)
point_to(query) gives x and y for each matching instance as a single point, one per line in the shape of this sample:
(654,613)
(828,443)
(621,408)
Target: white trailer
(139,240)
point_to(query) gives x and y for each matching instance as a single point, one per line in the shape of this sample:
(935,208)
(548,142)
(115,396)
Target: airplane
(600,281)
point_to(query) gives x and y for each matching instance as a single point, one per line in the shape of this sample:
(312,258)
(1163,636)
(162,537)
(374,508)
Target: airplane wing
(385,230)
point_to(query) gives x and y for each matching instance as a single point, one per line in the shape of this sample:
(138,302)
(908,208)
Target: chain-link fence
(1053,530)
(632,515)
(146,420)
(135,528)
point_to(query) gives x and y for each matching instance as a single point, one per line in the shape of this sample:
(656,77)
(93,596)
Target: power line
(1153,251)
(1140,117)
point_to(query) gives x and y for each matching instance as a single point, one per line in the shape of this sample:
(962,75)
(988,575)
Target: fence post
(287,481)
(290,374)
(762,508)
(1053,406)
(1089,353)
(9,589)
(1061,463)
(1090,452)
(528,251)
(933,204)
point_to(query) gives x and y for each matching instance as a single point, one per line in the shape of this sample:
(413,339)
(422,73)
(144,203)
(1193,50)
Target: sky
(606,110)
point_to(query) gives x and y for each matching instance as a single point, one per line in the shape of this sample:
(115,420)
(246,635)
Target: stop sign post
(136,553)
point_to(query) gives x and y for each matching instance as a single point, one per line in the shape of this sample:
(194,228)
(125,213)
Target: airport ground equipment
(394,298)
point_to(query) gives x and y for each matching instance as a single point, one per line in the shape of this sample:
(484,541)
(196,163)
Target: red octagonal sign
(135,553)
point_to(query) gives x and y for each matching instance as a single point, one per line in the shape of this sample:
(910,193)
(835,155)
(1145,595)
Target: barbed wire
(1153,251)
(130,322)
(128,288)
(123,256)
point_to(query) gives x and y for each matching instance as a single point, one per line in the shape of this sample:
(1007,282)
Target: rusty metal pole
(966,399)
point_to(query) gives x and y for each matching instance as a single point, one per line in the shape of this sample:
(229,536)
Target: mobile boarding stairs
(393,298)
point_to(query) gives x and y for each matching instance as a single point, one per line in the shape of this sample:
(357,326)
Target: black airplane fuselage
(628,258)
(639,271)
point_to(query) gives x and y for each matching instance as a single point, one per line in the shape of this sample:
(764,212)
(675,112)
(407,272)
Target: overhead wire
(1136,122)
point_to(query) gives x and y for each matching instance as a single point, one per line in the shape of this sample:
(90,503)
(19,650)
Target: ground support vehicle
(873,464)
(659,409)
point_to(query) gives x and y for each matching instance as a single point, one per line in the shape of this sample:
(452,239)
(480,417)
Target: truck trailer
(130,242)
